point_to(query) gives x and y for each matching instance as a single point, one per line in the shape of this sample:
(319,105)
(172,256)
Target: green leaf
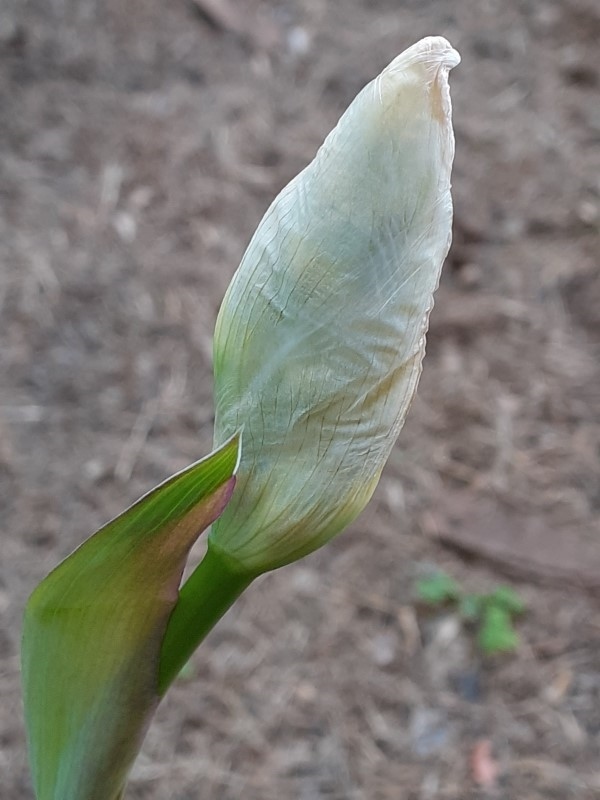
(497,634)
(437,589)
(93,631)
(508,599)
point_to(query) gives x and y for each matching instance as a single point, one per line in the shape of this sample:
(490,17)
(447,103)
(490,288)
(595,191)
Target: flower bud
(320,338)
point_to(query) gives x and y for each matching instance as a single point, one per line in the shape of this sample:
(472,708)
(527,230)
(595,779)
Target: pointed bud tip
(432,51)
(429,61)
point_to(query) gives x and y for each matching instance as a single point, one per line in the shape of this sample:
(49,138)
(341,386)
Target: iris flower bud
(319,341)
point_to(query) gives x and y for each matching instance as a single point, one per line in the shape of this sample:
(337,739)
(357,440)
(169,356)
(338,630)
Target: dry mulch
(140,143)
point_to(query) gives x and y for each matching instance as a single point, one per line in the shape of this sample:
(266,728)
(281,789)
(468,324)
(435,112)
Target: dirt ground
(140,143)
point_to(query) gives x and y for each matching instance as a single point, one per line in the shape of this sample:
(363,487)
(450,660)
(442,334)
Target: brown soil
(140,143)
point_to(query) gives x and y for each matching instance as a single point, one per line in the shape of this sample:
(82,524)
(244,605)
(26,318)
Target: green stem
(204,598)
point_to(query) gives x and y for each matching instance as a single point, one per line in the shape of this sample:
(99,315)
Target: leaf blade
(437,589)
(497,633)
(93,630)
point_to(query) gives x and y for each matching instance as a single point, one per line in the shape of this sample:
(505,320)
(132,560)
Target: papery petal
(319,341)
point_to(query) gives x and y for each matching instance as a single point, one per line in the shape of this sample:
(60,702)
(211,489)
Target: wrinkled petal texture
(319,341)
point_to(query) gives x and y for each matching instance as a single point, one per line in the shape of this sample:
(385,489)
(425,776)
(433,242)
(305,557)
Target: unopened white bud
(320,338)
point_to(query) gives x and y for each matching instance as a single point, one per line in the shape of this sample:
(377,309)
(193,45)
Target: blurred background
(140,144)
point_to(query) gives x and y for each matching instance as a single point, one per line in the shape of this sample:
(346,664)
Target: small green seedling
(493,613)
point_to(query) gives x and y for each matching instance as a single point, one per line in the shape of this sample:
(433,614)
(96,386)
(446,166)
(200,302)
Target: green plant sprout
(493,613)
(318,350)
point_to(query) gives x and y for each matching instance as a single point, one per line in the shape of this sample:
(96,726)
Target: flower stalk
(204,598)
